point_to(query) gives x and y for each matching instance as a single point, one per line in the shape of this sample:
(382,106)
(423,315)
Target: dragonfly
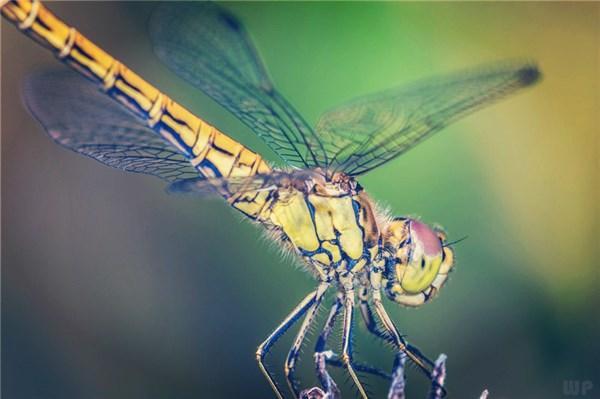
(312,205)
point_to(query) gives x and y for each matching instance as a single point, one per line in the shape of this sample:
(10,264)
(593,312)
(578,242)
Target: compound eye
(424,259)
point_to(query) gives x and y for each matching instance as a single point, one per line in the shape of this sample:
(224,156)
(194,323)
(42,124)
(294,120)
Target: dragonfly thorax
(337,184)
(330,223)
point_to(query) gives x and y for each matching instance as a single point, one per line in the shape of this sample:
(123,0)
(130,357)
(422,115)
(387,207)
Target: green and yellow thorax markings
(330,229)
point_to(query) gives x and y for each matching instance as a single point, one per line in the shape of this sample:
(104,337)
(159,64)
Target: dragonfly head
(417,261)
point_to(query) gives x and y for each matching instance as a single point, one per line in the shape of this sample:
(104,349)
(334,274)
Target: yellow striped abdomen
(212,153)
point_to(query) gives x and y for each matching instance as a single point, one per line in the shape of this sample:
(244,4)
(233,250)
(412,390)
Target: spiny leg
(292,357)
(291,318)
(325,357)
(399,342)
(438,373)
(397,387)
(322,356)
(333,359)
(412,353)
(369,320)
(347,341)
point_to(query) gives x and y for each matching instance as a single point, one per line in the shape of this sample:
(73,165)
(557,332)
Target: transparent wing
(81,118)
(207,46)
(220,185)
(238,185)
(372,130)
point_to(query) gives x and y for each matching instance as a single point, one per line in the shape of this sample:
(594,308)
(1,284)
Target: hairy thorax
(330,224)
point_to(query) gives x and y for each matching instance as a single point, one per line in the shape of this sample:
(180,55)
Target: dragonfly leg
(290,362)
(346,356)
(323,356)
(291,318)
(333,359)
(412,353)
(369,320)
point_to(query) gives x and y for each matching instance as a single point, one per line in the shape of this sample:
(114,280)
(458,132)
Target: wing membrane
(240,184)
(216,186)
(209,47)
(79,117)
(372,130)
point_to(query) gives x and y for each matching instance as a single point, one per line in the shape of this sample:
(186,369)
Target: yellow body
(330,232)
(328,221)
(331,226)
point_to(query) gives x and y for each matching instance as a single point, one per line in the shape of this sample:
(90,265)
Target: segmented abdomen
(212,153)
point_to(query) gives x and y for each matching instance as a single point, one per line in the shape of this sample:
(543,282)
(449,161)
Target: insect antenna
(449,244)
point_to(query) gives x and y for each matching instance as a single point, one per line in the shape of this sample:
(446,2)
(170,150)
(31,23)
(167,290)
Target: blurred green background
(113,289)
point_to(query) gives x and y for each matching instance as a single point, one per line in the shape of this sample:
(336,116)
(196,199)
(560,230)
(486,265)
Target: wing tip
(529,74)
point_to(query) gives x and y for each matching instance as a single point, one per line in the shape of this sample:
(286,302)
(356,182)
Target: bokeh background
(113,289)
